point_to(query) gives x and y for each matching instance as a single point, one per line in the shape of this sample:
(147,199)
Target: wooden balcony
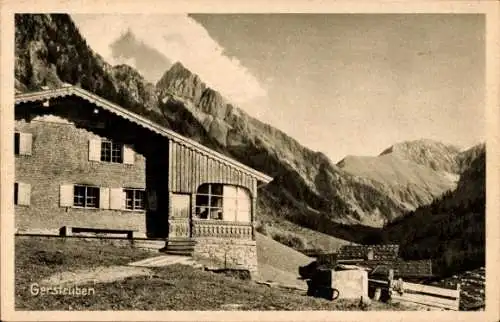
(221,229)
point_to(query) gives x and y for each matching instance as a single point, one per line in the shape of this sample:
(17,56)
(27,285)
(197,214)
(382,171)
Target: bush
(242,274)
(290,240)
(43,257)
(262,228)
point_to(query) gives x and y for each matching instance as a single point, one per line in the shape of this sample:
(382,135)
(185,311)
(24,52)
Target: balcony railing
(221,229)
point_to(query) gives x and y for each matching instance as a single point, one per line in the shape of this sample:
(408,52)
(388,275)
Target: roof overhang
(67,91)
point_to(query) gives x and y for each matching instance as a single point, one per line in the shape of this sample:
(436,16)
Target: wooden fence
(431,296)
(426,295)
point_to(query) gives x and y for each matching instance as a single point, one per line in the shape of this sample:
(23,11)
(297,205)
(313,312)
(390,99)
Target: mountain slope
(409,183)
(467,157)
(432,154)
(451,229)
(279,263)
(308,189)
(308,177)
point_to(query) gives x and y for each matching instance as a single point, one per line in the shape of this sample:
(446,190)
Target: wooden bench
(71,231)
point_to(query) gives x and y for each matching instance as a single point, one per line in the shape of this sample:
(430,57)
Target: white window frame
(86,196)
(134,199)
(221,210)
(218,210)
(116,151)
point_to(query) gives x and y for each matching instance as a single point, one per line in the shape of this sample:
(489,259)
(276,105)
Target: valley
(426,195)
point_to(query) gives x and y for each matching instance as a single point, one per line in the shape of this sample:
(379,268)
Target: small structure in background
(368,252)
(376,271)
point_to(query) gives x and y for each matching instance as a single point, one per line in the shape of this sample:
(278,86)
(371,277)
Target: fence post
(390,282)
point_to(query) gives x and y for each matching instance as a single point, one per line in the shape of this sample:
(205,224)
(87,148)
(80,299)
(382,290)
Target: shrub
(289,240)
(48,258)
(242,274)
(262,228)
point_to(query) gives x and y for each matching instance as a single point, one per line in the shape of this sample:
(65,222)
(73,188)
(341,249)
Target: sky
(342,84)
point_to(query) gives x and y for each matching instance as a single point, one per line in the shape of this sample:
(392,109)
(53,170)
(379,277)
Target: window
(111,151)
(86,196)
(108,151)
(134,199)
(209,201)
(223,202)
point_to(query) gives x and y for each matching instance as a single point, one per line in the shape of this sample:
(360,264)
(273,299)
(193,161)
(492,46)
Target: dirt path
(101,274)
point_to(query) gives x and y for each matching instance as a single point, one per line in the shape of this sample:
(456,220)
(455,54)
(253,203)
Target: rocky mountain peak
(436,155)
(307,188)
(124,69)
(180,81)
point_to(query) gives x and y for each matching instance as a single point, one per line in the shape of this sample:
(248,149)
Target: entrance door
(179,220)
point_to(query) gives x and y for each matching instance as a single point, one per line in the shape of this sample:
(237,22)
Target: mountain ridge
(451,230)
(308,188)
(433,154)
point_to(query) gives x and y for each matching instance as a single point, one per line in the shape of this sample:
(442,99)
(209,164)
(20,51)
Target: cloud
(179,38)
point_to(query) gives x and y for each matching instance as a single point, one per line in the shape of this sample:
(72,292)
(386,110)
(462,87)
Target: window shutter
(229,203)
(117,198)
(128,155)
(66,195)
(244,206)
(104,198)
(25,143)
(95,149)
(24,194)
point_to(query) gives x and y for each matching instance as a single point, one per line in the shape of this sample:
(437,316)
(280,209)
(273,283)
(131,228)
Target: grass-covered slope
(279,263)
(175,287)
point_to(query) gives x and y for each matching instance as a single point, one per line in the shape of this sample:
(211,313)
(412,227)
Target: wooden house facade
(84,161)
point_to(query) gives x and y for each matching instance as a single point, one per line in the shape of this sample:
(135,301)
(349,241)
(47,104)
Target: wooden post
(390,282)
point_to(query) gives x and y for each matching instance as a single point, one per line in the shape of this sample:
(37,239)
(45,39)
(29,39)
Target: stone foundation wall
(228,253)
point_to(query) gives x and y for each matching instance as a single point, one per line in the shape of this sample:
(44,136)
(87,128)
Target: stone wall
(376,252)
(351,284)
(228,253)
(60,156)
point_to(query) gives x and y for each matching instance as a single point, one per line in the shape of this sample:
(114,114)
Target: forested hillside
(451,229)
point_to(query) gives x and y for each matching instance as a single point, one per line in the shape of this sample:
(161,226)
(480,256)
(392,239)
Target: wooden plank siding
(189,169)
